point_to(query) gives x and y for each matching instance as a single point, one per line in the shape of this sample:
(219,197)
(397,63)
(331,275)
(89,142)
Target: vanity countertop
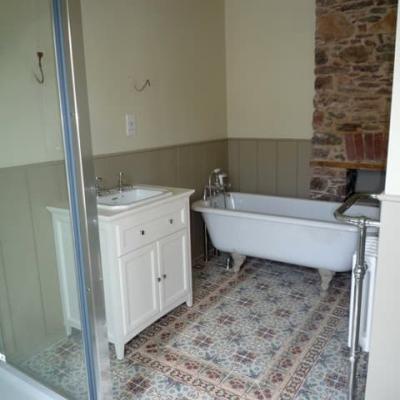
(111,215)
(176,193)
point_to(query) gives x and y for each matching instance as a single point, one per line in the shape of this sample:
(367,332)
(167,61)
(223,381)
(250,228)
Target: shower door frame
(74,107)
(73,99)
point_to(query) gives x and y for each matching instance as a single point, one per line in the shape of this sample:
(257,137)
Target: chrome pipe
(363,223)
(358,274)
(356,220)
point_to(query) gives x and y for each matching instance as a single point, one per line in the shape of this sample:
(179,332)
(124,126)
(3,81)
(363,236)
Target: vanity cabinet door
(140,283)
(174,264)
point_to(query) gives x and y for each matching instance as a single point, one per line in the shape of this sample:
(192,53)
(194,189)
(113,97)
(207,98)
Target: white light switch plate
(130,123)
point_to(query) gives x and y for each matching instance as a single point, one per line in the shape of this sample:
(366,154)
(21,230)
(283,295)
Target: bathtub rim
(202,207)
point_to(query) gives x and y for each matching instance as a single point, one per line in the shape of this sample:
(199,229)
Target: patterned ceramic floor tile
(265,333)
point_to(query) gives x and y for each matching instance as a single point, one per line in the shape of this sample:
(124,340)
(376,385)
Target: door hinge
(2,357)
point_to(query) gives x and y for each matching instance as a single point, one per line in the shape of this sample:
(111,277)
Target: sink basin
(116,200)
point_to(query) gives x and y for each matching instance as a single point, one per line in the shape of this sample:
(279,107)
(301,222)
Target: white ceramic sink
(116,200)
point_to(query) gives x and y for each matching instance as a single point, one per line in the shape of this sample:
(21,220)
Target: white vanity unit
(146,261)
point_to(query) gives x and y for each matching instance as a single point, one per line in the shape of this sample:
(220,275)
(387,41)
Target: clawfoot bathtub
(295,231)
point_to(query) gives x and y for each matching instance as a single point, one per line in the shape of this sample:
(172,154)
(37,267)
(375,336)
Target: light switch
(130,122)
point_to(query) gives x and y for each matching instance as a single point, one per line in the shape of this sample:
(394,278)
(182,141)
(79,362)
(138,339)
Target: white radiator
(371,250)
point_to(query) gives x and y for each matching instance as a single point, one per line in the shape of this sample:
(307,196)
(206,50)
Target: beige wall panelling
(201,167)
(20,267)
(8,339)
(188,177)
(186,167)
(2,348)
(153,167)
(108,167)
(303,168)
(234,163)
(203,162)
(217,155)
(167,167)
(47,185)
(195,162)
(248,166)
(280,167)
(267,166)
(287,168)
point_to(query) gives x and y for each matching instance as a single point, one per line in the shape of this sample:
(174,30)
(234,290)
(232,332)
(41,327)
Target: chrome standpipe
(359,271)
(358,274)
(217,184)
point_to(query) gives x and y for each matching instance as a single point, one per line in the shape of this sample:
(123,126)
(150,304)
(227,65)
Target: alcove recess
(354,57)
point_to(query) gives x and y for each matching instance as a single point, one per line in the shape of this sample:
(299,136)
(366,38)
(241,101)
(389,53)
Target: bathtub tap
(217,183)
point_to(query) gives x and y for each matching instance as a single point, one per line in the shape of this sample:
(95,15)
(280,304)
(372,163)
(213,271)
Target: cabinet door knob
(159,279)
(165,276)
(171,221)
(142,232)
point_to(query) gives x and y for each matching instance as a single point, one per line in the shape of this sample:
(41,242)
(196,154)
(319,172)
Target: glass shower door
(49,301)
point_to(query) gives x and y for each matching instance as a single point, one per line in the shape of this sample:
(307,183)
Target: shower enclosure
(46,160)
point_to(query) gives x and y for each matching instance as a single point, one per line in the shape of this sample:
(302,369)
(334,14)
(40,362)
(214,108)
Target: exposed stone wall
(353,79)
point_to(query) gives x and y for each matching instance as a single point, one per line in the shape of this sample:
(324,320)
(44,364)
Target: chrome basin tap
(99,185)
(122,185)
(120,181)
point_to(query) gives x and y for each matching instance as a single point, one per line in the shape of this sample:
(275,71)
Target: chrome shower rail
(363,223)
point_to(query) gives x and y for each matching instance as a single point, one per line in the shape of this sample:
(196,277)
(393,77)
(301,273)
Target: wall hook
(147,83)
(40,79)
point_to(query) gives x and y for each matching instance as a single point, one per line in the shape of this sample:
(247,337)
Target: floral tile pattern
(267,332)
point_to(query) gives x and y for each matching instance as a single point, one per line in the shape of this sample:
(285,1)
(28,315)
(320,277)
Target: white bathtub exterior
(295,231)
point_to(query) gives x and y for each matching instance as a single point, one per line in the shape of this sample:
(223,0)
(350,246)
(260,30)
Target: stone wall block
(333,27)
(387,24)
(354,56)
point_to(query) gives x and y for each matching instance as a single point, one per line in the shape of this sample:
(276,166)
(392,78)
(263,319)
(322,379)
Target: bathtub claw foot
(326,277)
(237,261)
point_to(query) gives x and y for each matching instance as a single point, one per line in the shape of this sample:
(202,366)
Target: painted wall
(29,113)
(179,45)
(270,64)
